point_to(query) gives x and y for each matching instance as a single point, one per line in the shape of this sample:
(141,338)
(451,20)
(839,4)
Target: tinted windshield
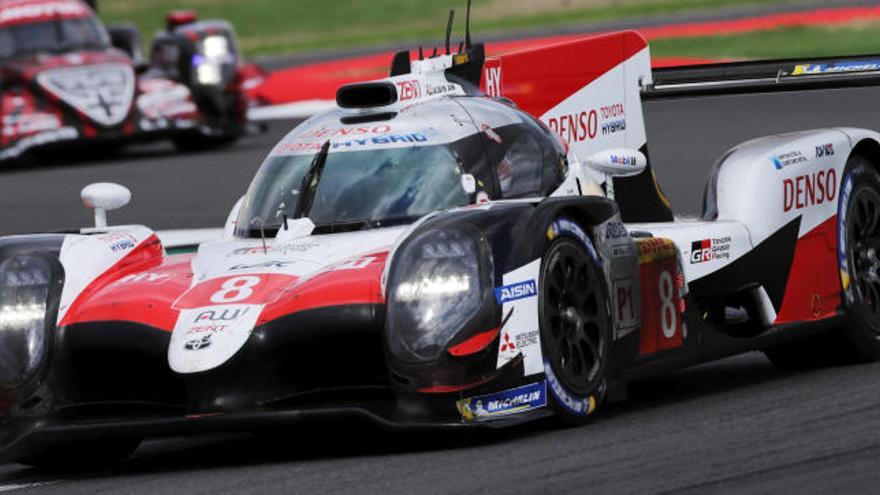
(357,189)
(56,36)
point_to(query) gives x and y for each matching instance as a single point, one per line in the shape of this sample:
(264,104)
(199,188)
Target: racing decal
(825,150)
(845,280)
(102,92)
(662,305)
(594,106)
(521,332)
(162,99)
(869,65)
(53,136)
(625,306)
(812,189)
(514,292)
(580,406)
(206,337)
(92,261)
(28,11)
(566,226)
(239,289)
(711,249)
(788,159)
(492,78)
(507,402)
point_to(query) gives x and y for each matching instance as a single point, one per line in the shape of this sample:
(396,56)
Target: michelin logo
(515,292)
(511,401)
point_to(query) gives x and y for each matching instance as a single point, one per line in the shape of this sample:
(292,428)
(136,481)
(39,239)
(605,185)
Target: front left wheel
(575,328)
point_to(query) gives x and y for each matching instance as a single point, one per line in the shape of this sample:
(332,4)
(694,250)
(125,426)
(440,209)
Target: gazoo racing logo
(710,249)
(514,292)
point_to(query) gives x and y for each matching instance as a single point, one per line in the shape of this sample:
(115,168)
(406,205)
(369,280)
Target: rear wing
(764,76)
(588,91)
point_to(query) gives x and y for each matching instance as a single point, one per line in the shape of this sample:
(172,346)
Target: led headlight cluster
(24,291)
(438,283)
(214,53)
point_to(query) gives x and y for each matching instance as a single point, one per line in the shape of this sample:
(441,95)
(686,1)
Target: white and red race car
(433,254)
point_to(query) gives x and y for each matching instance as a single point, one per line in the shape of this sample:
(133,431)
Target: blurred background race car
(67,79)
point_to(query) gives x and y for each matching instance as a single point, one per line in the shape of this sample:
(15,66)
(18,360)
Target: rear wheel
(84,454)
(862,292)
(575,328)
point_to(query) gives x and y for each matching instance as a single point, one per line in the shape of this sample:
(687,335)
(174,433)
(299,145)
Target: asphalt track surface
(737,425)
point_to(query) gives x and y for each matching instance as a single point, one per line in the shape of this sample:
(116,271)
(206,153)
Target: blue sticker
(580,406)
(566,226)
(836,67)
(515,292)
(845,280)
(511,401)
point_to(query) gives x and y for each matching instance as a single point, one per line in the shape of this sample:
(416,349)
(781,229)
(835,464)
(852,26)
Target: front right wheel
(575,328)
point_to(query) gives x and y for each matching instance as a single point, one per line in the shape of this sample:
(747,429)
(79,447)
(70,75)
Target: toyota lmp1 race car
(66,79)
(471,242)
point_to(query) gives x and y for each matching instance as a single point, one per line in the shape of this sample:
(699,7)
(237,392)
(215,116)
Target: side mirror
(103,197)
(619,162)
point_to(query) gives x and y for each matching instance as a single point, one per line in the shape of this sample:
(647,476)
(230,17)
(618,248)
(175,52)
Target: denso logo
(513,292)
(576,128)
(810,190)
(408,90)
(224,315)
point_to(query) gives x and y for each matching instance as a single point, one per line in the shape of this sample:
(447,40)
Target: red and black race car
(66,79)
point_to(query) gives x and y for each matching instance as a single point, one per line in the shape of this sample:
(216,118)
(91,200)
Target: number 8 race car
(431,254)
(65,79)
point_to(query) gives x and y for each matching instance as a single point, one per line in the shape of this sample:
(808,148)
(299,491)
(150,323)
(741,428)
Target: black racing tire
(575,324)
(92,454)
(861,332)
(858,340)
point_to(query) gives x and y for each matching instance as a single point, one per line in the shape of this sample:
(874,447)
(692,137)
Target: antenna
(421,54)
(449,31)
(467,27)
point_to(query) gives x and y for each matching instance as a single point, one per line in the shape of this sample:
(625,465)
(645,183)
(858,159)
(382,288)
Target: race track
(735,425)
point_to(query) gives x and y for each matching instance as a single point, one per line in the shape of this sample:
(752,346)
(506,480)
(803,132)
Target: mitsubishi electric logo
(103,92)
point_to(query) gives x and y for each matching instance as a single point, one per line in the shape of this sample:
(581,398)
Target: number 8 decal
(668,315)
(236,290)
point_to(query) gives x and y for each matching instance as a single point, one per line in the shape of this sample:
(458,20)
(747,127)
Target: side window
(519,170)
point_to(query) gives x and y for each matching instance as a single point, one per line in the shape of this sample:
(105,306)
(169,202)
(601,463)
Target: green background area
(856,39)
(290,26)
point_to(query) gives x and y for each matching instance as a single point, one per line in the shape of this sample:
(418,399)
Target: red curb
(319,81)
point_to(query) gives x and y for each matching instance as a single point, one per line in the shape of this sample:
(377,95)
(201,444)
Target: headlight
(215,47)
(24,291)
(209,74)
(438,283)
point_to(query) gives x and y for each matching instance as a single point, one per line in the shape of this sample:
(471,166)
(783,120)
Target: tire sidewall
(571,407)
(860,173)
